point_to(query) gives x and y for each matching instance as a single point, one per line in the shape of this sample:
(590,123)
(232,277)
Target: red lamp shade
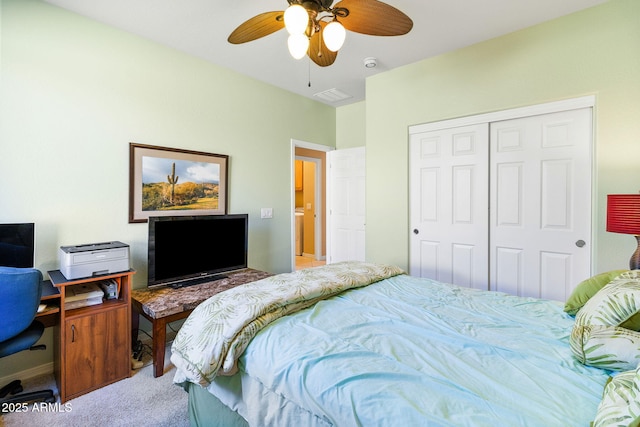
(623,213)
(623,216)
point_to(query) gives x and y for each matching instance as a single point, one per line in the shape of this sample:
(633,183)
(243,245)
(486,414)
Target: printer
(93,259)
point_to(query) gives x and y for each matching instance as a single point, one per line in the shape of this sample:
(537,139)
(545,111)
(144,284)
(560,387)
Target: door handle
(416,231)
(580,243)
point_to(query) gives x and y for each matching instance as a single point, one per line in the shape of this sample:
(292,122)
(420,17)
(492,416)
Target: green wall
(593,52)
(351,125)
(74,93)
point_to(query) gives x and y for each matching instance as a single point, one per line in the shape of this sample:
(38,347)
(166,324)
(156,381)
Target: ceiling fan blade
(374,18)
(258,26)
(318,52)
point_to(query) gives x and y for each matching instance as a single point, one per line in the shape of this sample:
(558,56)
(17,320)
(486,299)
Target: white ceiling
(201,28)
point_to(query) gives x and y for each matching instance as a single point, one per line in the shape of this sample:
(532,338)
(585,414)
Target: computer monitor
(17,245)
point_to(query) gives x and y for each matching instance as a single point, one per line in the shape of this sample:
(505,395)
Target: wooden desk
(93,342)
(165,305)
(50,297)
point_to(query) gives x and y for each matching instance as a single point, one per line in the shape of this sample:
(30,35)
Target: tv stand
(197,281)
(164,305)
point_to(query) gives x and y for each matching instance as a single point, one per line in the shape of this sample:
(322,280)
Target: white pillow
(616,304)
(620,404)
(606,347)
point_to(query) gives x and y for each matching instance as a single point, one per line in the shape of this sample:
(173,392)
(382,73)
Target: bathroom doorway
(308,205)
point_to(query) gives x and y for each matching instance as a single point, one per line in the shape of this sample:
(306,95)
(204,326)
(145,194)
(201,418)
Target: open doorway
(308,217)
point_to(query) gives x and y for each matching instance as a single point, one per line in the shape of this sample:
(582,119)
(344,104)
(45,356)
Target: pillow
(616,304)
(606,347)
(620,404)
(588,288)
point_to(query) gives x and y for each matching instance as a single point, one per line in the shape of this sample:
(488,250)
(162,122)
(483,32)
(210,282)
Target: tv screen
(201,247)
(17,245)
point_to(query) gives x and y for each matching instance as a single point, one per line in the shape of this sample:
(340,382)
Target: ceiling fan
(318,30)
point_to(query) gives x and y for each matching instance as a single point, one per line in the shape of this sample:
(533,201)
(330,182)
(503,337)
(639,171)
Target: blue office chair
(20,291)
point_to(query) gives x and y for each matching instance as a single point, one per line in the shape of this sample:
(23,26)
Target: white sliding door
(502,201)
(449,205)
(541,204)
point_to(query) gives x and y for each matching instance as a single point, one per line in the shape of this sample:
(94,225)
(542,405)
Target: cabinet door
(96,350)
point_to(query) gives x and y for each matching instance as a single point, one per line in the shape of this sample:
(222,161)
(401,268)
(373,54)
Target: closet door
(448,193)
(540,186)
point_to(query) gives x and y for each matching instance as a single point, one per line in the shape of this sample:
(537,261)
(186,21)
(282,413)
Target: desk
(165,305)
(50,297)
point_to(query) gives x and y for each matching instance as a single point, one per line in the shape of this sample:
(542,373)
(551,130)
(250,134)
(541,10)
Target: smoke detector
(370,62)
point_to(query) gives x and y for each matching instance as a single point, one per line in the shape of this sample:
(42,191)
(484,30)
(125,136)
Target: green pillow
(588,288)
(620,404)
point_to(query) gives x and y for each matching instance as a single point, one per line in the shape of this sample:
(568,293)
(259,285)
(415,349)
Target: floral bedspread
(218,331)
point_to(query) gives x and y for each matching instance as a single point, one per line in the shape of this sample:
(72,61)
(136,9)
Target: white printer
(93,259)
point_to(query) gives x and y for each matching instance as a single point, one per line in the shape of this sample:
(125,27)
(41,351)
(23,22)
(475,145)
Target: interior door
(449,205)
(541,204)
(346,205)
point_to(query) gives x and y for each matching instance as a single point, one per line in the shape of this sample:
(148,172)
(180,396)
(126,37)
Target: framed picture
(169,181)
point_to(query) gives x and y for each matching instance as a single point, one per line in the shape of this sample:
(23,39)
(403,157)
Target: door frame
(318,189)
(317,200)
(588,101)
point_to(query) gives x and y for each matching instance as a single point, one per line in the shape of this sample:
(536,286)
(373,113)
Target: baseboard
(47,368)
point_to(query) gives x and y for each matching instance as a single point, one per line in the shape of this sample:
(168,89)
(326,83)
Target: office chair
(20,291)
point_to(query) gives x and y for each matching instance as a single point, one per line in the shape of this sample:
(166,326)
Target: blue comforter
(414,352)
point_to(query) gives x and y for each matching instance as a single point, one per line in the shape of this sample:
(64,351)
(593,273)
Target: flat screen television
(17,245)
(186,250)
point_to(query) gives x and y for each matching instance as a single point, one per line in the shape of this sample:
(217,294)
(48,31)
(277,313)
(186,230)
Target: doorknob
(416,231)
(580,243)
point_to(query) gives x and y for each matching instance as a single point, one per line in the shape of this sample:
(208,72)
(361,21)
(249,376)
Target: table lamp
(623,216)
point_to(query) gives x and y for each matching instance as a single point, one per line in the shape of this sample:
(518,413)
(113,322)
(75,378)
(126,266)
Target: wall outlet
(266,213)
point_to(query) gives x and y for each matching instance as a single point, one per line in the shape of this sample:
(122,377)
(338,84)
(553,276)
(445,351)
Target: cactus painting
(173,180)
(170,182)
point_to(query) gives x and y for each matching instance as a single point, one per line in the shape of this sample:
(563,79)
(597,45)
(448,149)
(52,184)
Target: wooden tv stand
(165,305)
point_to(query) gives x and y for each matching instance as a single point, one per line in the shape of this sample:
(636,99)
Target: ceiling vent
(332,95)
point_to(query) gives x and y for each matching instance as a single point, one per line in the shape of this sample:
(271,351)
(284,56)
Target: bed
(361,344)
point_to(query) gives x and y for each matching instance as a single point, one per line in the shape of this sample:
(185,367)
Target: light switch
(266,213)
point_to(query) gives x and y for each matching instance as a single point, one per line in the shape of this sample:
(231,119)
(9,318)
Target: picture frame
(167,181)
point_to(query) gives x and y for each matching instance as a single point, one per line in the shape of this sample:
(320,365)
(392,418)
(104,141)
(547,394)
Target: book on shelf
(83,303)
(82,295)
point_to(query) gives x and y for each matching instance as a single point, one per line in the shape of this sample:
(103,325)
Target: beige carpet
(141,400)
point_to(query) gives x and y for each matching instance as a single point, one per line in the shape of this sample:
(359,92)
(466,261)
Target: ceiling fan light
(296,19)
(334,35)
(298,45)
